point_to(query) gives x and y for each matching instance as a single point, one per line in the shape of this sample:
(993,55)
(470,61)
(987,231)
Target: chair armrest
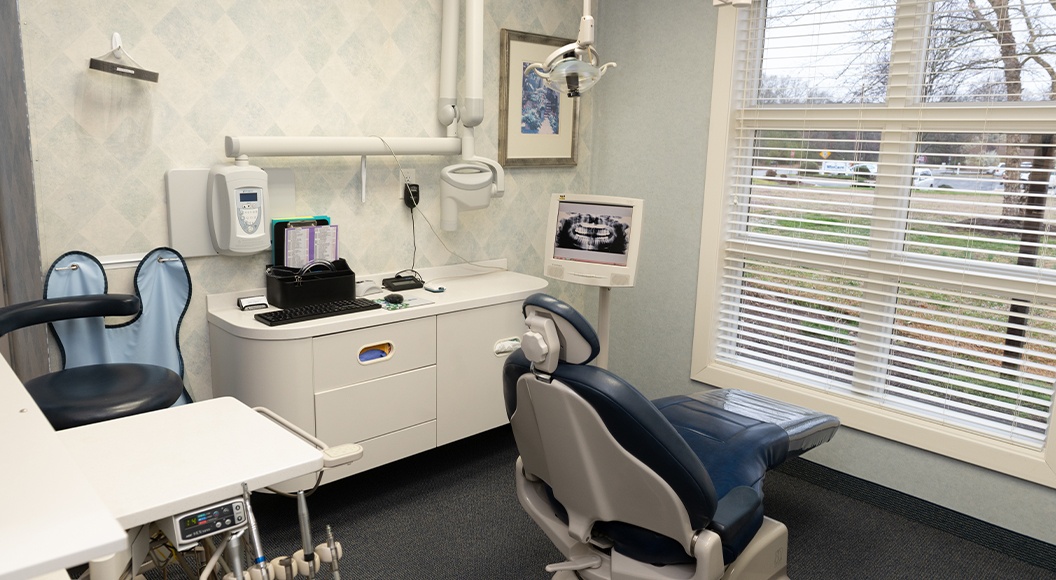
(36,312)
(735,510)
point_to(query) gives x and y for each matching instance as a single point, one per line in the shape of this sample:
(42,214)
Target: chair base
(765,558)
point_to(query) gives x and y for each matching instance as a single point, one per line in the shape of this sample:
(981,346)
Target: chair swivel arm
(36,312)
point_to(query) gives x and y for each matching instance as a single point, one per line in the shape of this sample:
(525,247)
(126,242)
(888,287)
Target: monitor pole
(602,360)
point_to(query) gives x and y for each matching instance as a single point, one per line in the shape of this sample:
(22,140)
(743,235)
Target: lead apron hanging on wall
(162,283)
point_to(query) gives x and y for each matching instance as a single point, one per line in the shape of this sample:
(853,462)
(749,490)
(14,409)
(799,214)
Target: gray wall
(18,216)
(650,127)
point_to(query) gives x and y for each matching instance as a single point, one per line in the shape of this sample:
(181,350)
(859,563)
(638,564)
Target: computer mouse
(394,298)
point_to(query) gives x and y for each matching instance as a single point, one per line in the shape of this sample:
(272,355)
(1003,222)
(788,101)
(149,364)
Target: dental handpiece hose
(234,556)
(306,533)
(259,561)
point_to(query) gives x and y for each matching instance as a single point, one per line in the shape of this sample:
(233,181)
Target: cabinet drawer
(410,345)
(358,412)
(388,448)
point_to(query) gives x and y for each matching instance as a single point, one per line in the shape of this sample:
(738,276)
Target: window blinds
(889,230)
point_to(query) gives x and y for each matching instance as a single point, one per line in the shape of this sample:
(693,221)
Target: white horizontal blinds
(973,358)
(975,207)
(785,318)
(989,50)
(814,185)
(881,244)
(824,52)
(957,351)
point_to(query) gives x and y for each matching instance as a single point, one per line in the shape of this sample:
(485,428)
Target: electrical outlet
(410,177)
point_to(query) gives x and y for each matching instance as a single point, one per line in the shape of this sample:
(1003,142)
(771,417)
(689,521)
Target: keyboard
(323,310)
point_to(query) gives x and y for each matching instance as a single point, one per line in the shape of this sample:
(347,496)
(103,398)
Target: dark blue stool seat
(86,394)
(93,393)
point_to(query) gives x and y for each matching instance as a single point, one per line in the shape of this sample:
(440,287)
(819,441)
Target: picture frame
(529,111)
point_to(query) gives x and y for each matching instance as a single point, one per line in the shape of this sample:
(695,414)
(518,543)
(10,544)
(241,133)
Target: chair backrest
(606,452)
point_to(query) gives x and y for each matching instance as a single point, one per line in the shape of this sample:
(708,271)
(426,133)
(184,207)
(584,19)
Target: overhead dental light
(573,68)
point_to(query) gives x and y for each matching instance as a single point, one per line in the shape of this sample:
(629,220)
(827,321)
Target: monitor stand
(602,360)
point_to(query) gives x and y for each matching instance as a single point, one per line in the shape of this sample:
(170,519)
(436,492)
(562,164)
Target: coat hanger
(119,62)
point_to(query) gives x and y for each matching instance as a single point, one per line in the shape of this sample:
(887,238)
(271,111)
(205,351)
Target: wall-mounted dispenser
(238,208)
(464,186)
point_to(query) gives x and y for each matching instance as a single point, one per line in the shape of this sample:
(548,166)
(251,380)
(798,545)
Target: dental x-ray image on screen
(593,239)
(593,232)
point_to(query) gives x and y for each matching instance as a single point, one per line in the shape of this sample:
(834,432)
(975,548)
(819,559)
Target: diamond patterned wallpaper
(102,143)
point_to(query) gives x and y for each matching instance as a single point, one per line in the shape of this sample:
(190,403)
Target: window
(884,233)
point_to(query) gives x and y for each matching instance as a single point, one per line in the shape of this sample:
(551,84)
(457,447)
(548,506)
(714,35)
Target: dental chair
(88,394)
(628,488)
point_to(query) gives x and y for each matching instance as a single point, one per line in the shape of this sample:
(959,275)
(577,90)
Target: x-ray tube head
(463,187)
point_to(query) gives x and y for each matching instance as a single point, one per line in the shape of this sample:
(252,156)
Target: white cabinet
(469,379)
(440,378)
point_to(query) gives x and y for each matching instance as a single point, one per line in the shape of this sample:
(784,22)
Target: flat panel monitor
(593,239)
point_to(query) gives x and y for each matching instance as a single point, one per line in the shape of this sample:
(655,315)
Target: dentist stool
(92,393)
(628,488)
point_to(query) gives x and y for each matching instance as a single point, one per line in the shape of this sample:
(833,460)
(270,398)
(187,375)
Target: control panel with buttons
(186,529)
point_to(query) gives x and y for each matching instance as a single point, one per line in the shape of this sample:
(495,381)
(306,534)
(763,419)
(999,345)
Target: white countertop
(154,465)
(466,286)
(52,516)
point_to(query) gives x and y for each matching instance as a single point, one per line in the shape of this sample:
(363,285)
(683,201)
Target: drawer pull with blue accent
(375,352)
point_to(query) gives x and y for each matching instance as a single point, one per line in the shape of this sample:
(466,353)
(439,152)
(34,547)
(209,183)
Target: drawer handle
(507,345)
(374,353)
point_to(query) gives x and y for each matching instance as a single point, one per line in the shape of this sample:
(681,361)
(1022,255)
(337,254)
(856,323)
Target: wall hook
(119,62)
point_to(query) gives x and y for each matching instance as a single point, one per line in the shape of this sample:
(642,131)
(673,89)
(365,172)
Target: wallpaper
(102,143)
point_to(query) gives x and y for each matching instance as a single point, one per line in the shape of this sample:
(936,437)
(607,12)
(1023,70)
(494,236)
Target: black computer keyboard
(302,313)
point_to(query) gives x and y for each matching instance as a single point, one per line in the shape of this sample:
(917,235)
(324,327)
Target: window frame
(1038,466)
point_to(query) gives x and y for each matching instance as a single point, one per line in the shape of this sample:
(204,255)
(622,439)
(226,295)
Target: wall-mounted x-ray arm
(467,116)
(447,105)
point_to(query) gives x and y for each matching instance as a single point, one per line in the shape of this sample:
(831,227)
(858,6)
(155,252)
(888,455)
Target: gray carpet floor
(452,513)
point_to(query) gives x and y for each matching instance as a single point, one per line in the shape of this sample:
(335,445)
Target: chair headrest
(556,332)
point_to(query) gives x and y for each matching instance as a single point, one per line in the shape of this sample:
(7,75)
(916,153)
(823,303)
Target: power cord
(414,236)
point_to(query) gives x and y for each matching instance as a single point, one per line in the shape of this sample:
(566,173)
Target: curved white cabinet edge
(461,294)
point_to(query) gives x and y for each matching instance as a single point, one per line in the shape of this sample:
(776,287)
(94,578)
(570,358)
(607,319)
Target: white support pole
(363,179)
(473,106)
(604,294)
(447,105)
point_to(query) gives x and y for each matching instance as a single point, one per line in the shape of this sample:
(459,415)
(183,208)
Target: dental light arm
(573,68)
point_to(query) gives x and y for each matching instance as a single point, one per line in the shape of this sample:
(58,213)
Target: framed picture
(537,125)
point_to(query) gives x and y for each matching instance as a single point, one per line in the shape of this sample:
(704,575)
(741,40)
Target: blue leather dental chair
(630,488)
(88,394)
